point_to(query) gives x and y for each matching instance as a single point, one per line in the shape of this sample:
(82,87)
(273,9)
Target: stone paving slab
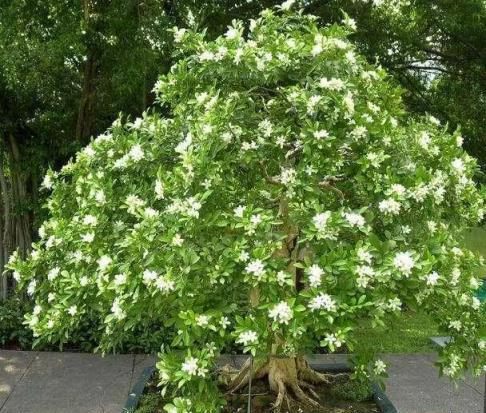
(73,383)
(414,386)
(13,366)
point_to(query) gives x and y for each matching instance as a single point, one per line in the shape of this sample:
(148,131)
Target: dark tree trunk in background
(16,220)
(92,21)
(84,121)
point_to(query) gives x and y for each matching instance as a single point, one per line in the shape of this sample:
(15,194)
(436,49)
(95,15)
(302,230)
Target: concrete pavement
(45,382)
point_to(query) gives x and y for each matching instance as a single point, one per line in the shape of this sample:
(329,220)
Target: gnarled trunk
(290,378)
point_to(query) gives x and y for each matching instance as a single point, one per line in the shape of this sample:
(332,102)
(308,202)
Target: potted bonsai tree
(277,196)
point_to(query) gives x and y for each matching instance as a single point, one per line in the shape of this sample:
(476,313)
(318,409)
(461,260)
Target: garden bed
(343,397)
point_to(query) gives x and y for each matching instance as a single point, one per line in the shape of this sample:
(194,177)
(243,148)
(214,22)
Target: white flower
(456,325)
(315,274)
(349,103)
(90,220)
(100,197)
(202,320)
(459,141)
(53,273)
(150,213)
(281,313)
(456,275)
(48,182)
(184,145)
(120,279)
(190,366)
(432,226)
(177,240)
(179,34)
(231,33)
(88,237)
(164,284)
(364,255)
(475,303)
(420,192)
(323,301)
(389,206)
(432,278)
(206,56)
(332,340)
(351,23)
(379,368)
(398,189)
(286,5)
(16,276)
(332,84)
(354,219)
(394,304)
(365,271)
(37,310)
(104,262)
(149,276)
(404,262)
(224,322)
(31,287)
(136,153)
(51,297)
(287,176)
(244,256)
(424,140)
(72,311)
(247,337)
(458,165)
(50,324)
(159,189)
(117,310)
(266,127)
(282,278)
(320,220)
(239,211)
(256,267)
(255,219)
(319,134)
(83,281)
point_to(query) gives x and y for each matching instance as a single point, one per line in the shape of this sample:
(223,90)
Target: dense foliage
(286,197)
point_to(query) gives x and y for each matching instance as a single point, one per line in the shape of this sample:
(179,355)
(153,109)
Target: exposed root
(291,379)
(306,373)
(310,388)
(241,379)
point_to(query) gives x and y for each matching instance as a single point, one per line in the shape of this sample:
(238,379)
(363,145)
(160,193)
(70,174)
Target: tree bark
(7,231)
(85,111)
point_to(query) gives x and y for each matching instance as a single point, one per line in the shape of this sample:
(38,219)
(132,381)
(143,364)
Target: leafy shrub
(13,331)
(287,197)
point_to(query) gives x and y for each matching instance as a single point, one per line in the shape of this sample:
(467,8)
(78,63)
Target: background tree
(66,70)
(436,51)
(288,181)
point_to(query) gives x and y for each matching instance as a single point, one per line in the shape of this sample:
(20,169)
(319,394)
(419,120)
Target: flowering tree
(285,199)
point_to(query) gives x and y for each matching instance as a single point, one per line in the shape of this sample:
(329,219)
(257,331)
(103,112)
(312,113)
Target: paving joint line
(18,382)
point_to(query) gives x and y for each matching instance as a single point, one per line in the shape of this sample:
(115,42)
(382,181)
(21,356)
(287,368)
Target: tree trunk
(85,111)
(83,123)
(15,219)
(7,232)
